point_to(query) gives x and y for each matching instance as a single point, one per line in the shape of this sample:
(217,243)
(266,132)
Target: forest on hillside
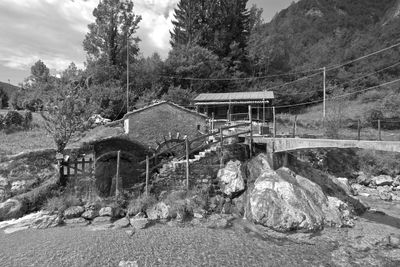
(225,46)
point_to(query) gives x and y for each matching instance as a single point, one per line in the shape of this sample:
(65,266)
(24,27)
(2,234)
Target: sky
(53,31)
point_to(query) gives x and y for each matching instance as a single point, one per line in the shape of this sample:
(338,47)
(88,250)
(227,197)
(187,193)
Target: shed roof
(235,96)
(162,103)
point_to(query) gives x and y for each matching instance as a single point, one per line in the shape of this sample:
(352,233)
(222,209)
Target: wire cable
(363,57)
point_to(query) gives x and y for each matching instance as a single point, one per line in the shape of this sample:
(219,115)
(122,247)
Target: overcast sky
(53,31)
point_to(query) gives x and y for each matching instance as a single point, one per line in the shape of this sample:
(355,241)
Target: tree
(40,72)
(214,25)
(67,114)
(107,37)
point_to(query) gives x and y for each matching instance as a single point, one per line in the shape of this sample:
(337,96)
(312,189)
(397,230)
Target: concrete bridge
(277,148)
(292,144)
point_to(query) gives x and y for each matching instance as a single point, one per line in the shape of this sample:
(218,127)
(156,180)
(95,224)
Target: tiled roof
(235,96)
(160,103)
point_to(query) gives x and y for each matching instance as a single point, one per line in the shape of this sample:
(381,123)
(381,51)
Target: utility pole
(324,104)
(127,72)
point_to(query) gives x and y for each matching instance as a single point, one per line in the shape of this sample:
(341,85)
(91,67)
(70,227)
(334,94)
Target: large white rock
(284,201)
(73,212)
(160,211)
(11,209)
(231,178)
(382,180)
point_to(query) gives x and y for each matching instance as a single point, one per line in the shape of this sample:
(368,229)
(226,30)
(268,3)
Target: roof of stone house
(234,96)
(161,103)
(100,133)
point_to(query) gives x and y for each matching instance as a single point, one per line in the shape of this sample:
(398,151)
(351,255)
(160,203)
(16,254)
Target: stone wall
(153,123)
(201,173)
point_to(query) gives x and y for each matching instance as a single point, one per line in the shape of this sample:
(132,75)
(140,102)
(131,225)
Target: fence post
(379,131)
(359,130)
(212,121)
(274,123)
(117,176)
(294,126)
(221,135)
(83,166)
(147,174)
(251,131)
(187,162)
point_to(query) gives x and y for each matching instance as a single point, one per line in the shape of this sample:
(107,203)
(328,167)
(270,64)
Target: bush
(13,118)
(58,204)
(372,116)
(28,120)
(141,204)
(379,162)
(1,122)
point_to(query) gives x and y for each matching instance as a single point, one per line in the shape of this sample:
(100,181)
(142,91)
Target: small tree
(66,114)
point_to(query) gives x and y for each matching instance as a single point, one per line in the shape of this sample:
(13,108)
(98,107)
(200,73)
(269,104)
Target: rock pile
(383,187)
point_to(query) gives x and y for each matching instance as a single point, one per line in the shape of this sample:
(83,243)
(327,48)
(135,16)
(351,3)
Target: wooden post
(221,135)
(251,131)
(187,162)
(147,174)
(83,165)
(379,131)
(274,118)
(212,121)
(359,130)
(117,175)
(294,126)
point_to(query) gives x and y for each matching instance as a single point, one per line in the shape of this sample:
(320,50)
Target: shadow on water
(382,219)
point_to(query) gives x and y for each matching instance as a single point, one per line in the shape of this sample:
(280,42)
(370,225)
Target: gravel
(159,245)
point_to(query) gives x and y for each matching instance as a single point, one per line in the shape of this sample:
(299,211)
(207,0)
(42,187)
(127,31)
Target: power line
(239,78)
(363,57)
(335,97)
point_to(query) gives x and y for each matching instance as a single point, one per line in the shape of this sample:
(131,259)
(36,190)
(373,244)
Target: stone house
(163,121)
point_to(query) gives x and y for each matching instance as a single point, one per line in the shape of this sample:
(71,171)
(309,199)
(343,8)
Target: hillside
(312,34)
(6,90)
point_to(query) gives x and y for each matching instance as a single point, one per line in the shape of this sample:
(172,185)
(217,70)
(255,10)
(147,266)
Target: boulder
(231,179)
(284,201)
(139,223)
(217,221)
(338,213)
(90,214)
(396,181)
(46,221)
(11,209)
(364,179)
(382,180)
(159,211)
(345,185)
(75,222)
(73,212)
(111,212)
(121,223)
(18,186)
(386,196)
(102,220)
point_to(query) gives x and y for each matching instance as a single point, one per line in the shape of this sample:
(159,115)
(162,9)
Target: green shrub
(58,204)
(13,118)
(1,122)
(141,204)
(378,162)
(372,116)
(28,120)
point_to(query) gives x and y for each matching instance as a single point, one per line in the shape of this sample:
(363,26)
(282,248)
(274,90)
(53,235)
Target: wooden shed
(234,106)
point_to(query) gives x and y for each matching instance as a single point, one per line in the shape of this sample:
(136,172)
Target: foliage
(179,96)
(141,204)
(40,72)
(333,120)
(372,116)
(378,162)
(13,121)
(59,203)
(67,114)
(107,37)
(3,98)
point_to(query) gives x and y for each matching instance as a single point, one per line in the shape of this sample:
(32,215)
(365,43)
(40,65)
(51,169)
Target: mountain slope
(311,34)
